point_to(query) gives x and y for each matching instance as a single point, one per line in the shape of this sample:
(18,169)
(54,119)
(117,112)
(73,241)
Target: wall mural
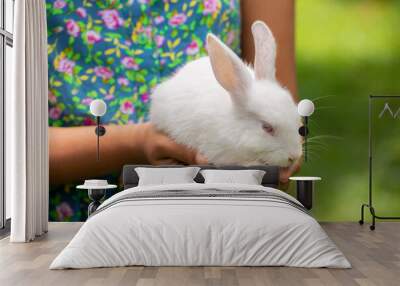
(119,51)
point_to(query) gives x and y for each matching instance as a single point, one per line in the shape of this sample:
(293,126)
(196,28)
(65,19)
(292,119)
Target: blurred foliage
(347,50)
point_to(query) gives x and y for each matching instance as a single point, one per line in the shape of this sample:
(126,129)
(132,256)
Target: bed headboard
(271,178)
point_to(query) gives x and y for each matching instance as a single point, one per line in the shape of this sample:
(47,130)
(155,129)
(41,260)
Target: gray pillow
(247,177)
(163,176)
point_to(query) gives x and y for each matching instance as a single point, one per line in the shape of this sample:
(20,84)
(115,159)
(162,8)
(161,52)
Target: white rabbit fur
(218,105)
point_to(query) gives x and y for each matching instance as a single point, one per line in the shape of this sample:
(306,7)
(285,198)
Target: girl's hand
(286,173)
(73,152)
(159,149)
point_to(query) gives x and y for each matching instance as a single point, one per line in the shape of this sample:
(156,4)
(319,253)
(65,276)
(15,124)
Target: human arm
(280,17)
(73,151)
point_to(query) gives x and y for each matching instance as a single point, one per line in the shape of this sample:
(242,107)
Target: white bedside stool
(96,191)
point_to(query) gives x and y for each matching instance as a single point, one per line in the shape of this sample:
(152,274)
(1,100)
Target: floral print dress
(119,50)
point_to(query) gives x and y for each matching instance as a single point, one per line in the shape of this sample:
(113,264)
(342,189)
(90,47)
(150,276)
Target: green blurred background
(346,50)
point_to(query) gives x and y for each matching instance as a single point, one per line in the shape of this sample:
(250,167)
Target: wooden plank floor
(375,257)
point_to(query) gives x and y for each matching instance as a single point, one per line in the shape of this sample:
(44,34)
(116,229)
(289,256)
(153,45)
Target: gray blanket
(206,193)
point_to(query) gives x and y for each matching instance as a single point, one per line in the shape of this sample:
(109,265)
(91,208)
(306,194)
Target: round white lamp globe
(98,107)
(305,107)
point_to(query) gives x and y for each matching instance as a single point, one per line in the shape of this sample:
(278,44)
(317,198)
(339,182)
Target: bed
(198,224)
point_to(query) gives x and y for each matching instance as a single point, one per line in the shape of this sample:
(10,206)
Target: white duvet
(200,231)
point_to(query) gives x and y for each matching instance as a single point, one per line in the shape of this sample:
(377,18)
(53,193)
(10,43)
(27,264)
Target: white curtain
(27,124)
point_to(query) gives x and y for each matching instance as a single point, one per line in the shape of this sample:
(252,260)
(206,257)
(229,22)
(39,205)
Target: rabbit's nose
(291,160)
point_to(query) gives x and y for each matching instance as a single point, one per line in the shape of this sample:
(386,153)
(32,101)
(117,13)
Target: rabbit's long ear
(265,50)
(231,73)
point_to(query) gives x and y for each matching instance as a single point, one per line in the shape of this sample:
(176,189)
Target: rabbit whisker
(317,143)
(313,155)
(318,148)
(325,137)
(325,107)
(313,123)
(322,97)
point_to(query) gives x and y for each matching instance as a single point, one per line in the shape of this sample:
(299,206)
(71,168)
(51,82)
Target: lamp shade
(305,107)
(98,107)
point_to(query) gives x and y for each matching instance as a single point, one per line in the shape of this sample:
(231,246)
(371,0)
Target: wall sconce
(98,108)
(305,108)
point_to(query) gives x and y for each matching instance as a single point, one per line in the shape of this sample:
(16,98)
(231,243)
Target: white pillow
(248,177)
(163,176)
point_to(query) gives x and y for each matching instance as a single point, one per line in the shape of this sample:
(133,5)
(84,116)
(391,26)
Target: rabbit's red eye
(268,128)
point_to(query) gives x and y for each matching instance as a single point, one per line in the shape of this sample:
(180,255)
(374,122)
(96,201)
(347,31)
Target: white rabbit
(229,112)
